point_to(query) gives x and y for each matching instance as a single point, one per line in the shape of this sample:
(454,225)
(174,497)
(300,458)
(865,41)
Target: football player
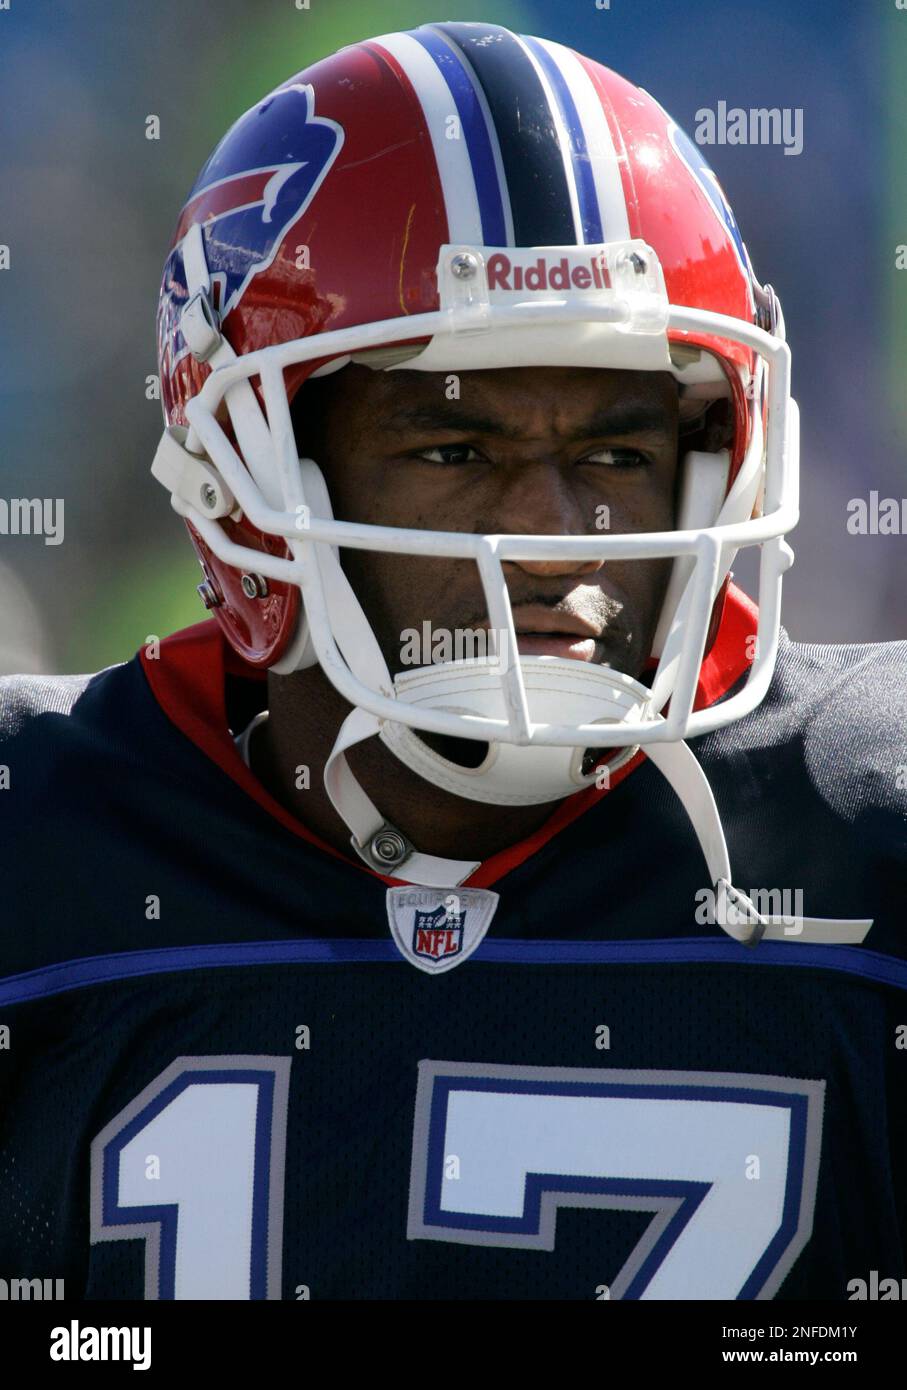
(488,900)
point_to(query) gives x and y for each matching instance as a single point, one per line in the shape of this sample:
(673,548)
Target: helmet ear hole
(710,431)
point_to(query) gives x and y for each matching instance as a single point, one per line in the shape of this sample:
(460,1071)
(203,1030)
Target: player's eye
(449,454)
(616,458)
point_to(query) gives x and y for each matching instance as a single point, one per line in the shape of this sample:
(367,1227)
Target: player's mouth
(543,632)
(550,644)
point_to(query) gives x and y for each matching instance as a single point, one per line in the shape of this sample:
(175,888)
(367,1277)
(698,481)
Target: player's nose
(540,501)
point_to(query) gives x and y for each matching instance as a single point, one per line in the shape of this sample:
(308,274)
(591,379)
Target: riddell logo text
(546,275)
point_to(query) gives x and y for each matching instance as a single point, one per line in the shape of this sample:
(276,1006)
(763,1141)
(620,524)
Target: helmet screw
(254,586)
(768,310)
(209,496)
(638,263)
(209,595)
(387,847)
(463,266)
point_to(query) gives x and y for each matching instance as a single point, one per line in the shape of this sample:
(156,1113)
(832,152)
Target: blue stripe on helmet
(533,161)
(590,213)
(478,142)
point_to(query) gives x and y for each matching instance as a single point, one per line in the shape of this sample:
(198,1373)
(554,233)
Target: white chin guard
(561,690)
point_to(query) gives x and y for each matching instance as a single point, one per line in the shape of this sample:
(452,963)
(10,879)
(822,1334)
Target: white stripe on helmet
(602,154)
(451,156)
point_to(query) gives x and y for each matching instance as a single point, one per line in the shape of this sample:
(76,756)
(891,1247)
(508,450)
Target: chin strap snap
(381,845)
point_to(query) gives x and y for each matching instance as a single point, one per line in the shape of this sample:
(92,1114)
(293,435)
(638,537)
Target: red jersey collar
(187,680)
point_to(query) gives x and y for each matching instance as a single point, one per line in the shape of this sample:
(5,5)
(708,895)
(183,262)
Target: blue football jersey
(220,1078)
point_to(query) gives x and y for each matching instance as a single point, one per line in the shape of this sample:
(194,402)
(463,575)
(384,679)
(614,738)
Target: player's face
(543,450)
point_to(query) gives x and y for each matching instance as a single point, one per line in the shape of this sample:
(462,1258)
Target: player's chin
(622,652)
(559,644)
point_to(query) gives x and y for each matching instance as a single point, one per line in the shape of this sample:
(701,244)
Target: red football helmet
(454,198)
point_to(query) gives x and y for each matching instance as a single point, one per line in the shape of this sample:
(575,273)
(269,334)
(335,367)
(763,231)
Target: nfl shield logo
(438,928)
(438,934)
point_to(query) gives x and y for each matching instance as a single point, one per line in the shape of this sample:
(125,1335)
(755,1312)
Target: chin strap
(384,848)
(381,845)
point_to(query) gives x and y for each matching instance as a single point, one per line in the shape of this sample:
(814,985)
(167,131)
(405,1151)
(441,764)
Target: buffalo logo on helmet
(245,208)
